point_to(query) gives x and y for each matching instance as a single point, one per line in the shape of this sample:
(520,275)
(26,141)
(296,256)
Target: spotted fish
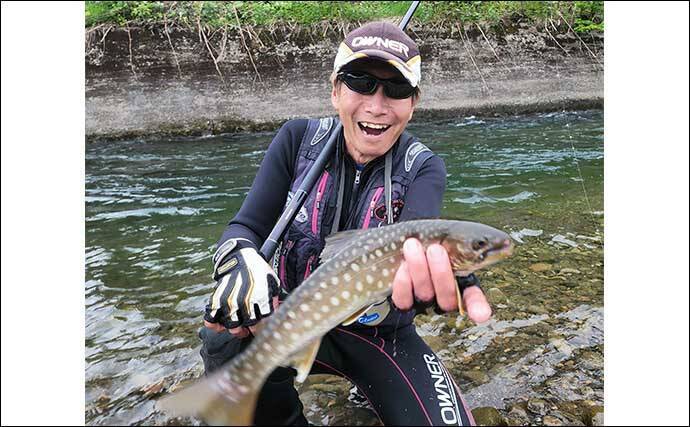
(356,272)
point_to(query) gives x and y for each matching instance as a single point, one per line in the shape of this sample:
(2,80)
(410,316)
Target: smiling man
(379,174)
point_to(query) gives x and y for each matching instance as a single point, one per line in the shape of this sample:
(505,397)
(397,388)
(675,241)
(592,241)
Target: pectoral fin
(303,360)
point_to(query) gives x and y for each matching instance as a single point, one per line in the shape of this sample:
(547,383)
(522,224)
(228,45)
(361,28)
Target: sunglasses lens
(398,90)
(361,83)
(366,84)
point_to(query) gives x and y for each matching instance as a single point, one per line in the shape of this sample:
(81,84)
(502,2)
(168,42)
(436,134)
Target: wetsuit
(390,364)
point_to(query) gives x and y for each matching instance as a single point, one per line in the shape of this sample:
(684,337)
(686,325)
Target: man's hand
(247,290)
(428,275)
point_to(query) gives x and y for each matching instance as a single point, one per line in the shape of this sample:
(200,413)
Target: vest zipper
(317,202)
(372,207)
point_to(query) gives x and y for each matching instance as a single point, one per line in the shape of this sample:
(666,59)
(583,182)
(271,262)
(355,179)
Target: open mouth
(373,129)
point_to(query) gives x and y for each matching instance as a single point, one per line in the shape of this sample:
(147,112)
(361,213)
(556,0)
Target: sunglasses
(366,84)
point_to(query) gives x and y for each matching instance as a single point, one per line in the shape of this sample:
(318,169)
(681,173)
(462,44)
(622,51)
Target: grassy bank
(582,16)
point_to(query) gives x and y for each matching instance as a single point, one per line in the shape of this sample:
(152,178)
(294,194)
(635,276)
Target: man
(379,174)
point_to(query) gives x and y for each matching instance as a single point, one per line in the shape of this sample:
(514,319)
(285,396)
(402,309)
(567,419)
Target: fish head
(472,246)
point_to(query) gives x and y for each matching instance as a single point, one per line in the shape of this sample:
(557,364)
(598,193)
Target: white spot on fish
(277,335)
(294,336)
(317,315)
(345,294)
(370,279)
(364,258)
(304,307)
(260,357)
(354,267)
(335,301)
(373,267)
(334,280)
(318,296)
(378,252)
(287,325)
(347,277)
(267,346)
(325,308)
(323,285)
(385,272)
(379,284)
(359,286)
(308,323)
(393,246)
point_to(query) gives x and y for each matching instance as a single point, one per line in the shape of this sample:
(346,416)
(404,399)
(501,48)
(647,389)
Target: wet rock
(496,296)
(550,420)
(597,414)
(536,309)
(152,389)
(327,388)
(540,266)
(488,416)
(477,377)
(569,271)
(517,415)
(537,406)
(562,346)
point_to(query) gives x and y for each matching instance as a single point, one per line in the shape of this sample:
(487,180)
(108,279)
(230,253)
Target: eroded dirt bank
(149,81)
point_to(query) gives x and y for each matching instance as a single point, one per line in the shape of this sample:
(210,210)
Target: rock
(488,416)
(536,309)
(598,419)
(537,406)
(540,266)
(569,271)
(550,420)
(477,377)
(327,388)
(517,416)
(562,346)
(152,389)
(496,296)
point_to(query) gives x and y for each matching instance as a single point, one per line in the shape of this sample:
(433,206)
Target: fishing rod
(300,196)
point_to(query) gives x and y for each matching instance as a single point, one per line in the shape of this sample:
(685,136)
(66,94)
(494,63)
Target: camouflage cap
(384,41)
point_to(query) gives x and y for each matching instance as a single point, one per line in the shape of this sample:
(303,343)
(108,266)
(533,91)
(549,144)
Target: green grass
(582,16)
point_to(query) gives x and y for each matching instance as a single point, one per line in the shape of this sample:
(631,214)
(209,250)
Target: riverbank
(176,80)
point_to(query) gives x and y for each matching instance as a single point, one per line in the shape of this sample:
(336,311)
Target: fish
(356,271)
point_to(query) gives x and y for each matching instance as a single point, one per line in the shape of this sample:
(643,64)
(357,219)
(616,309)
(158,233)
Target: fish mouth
(500,250)
(490,255)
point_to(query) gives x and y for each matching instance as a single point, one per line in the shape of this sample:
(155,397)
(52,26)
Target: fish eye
(479,244)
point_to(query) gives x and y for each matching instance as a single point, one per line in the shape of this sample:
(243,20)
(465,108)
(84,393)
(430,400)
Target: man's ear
(415,100)
(335,97)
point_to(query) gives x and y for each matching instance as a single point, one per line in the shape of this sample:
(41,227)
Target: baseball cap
(384,41)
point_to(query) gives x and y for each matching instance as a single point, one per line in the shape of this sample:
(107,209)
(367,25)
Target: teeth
(373,125)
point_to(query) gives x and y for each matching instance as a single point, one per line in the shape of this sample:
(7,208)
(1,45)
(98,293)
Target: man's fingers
(417,266)
(216,327)
(442,277)
(239,332)
(478,308)
(402,288)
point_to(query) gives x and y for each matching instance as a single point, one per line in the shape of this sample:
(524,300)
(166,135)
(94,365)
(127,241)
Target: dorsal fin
(335,243)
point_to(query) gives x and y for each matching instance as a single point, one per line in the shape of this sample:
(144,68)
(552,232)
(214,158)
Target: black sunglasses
(366,84)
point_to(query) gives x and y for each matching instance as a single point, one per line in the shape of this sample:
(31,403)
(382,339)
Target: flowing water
(155,209)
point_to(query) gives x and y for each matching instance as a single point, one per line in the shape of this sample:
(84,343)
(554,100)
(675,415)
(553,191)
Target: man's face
(358,112)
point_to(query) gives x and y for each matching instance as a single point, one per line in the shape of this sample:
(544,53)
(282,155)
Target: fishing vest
(379,202)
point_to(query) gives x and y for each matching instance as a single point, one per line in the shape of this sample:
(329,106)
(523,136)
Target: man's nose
(377,103)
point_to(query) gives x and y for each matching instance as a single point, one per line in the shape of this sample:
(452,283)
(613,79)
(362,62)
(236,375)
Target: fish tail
(217,400)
